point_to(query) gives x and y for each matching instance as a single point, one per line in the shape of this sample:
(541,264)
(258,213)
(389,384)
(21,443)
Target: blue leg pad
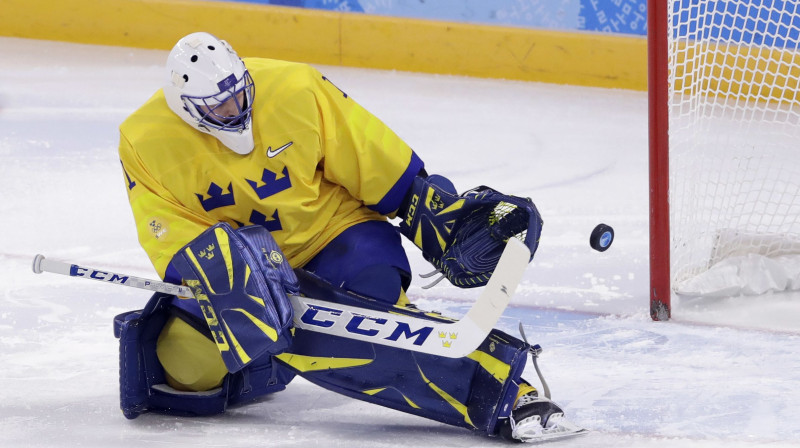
(471,392)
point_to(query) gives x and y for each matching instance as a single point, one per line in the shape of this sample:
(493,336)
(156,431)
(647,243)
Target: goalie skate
(535,419)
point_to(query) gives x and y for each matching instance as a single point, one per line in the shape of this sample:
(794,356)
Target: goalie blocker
(476,392)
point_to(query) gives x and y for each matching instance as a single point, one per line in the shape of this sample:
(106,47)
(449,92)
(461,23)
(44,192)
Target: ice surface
(722,373)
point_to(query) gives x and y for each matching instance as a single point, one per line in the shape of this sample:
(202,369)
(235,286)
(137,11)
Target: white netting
(734,141)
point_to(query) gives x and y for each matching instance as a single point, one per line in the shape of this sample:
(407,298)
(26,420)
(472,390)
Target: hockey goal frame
(724,111)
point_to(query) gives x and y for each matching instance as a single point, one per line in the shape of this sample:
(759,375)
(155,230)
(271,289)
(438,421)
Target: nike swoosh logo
(272,153)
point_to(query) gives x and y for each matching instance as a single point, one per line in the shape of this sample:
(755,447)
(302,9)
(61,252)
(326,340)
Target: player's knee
(381,282)
(191,360)
(369,259)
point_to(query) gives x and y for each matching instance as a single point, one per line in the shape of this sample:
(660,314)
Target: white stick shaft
(449,339)
(42,264)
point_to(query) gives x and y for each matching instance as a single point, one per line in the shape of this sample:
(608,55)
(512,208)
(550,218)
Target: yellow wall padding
(331,38)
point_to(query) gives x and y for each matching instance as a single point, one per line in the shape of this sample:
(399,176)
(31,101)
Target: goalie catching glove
(240,280)
(464,235)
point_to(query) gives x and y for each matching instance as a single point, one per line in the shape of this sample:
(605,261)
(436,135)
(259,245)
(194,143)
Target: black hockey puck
(602,237)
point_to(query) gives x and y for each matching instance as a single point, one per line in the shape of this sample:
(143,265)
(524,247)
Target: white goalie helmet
(209,87)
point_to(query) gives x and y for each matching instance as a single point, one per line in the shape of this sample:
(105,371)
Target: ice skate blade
(530,430)
(554,436)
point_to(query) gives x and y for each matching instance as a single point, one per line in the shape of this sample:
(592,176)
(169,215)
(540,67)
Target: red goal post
(658,91)
(724,117)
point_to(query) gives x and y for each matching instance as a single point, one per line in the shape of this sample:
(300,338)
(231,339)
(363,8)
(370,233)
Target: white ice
(722,373)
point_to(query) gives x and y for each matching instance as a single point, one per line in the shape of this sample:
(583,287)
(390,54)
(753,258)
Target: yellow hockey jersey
(321,164)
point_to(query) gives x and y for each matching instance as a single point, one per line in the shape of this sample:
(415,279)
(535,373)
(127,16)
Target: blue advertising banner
(615,16)
(728,21)
(773,23)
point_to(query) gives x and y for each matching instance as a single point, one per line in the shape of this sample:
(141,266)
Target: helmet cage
(204,108)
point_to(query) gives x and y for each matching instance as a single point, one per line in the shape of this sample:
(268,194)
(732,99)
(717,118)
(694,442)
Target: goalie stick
(449,339)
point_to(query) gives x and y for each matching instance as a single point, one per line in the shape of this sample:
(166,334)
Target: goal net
(731,104)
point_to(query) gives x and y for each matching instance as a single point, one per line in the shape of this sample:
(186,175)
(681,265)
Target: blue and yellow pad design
(471,392)
(142,378)
(240,280)
(464,235)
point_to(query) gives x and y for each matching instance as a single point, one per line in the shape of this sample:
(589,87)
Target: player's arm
(462,235)
(362,153)
(163,225)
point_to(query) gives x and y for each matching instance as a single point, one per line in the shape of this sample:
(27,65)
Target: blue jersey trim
(392,200)
(171,274)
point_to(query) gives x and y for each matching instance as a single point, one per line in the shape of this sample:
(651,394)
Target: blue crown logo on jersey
(271,183)
(260,219)
(216,198)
